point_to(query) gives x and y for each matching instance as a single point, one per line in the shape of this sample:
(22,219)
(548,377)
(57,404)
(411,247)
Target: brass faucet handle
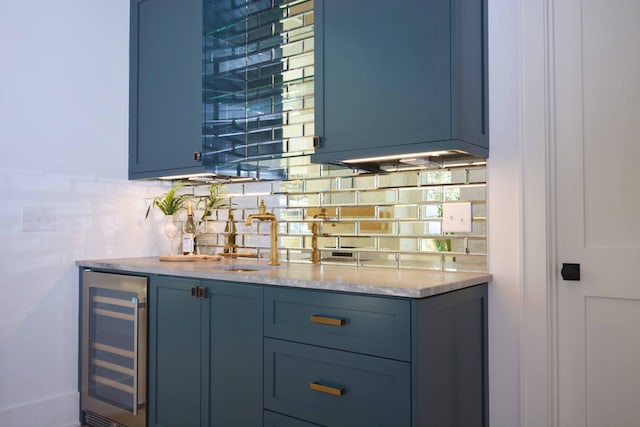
(262,208)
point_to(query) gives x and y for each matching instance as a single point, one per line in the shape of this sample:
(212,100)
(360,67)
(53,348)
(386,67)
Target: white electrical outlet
(456,217)
(38,218)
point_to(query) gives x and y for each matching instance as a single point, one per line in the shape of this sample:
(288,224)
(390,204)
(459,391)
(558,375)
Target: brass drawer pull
(202,292)
(324,320)
(199,292)
(334,391)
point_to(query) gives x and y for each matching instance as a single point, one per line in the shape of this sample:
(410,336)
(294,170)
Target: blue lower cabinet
(236,355)
(225,354)
(178,354)
(336,388)
(373,325)
(205,354)
(450,359)
(428,367)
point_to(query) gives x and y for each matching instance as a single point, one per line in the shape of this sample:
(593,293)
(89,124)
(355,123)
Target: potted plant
(215,200)
(208,230)
(170,203)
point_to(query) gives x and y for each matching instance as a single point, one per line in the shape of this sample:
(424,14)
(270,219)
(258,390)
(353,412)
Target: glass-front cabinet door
(258,70)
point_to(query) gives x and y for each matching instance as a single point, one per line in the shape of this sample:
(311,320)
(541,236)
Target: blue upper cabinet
(165,88)
(400,77)
(232,87)
(221,86)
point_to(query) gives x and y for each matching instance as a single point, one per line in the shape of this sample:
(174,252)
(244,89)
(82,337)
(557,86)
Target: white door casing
(595,143)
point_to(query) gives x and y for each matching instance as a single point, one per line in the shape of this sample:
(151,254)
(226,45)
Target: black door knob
(570,271)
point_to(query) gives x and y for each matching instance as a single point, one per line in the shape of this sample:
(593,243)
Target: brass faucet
(263,215)
(315,230)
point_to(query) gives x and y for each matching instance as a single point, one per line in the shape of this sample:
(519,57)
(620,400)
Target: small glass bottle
(230,233)
(189,236)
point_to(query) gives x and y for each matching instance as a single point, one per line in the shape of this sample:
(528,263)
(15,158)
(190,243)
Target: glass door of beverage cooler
(113,383)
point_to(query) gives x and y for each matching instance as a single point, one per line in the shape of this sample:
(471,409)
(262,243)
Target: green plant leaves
(170,202)
(215,200)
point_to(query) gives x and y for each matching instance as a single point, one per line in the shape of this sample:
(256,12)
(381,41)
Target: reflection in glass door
(112,334)
(258,73)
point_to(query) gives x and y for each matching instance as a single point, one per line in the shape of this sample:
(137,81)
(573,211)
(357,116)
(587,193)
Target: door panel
(612,376)
(597,106)
(165,86)
(359,47)
(177,365)
(611,105)
(236,354)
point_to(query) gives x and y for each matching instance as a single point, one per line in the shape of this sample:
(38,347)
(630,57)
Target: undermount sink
(241,268)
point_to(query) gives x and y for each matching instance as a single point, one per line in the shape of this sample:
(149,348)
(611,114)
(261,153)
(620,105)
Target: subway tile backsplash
(379,220)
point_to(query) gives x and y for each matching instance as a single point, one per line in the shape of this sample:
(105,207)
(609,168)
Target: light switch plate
(38,218)
(456,217)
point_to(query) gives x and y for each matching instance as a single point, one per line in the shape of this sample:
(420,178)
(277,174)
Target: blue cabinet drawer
(336,388)
(271,419)
(372,325)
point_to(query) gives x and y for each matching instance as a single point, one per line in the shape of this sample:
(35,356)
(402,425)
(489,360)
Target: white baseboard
(57,411)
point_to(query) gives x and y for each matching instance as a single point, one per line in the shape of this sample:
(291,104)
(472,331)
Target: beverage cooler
(113,349)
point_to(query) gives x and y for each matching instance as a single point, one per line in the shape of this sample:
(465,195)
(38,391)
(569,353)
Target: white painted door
(596,96)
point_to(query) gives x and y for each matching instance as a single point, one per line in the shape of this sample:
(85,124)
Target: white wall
(63,140)
(505,217)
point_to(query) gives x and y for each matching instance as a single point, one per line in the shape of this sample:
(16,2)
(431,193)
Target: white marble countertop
(367,280)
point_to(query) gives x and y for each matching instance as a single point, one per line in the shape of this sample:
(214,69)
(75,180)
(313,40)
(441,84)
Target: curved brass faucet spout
(315,232)
(263,215)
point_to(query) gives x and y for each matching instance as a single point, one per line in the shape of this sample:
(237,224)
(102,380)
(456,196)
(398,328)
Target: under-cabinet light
(455,165)
(399,156)
(189,176)
(208,176)
(241,179)
(403,168)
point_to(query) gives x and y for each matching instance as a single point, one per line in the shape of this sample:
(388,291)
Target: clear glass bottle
(189,236)
(230,233)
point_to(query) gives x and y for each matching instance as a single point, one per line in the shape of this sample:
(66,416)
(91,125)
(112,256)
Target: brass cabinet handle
(334,391)
(202,292)
(199,292)
(325,320)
